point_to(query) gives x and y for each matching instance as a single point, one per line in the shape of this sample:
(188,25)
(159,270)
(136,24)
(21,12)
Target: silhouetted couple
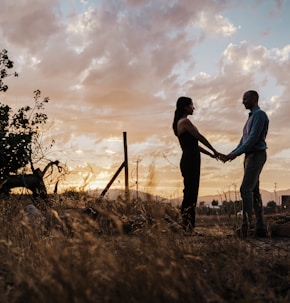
(252,144)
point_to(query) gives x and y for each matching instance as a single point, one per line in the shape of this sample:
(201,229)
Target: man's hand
(222,157)
(231,156)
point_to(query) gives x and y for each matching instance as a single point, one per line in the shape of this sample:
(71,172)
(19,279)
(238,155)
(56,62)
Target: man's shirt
(254,133)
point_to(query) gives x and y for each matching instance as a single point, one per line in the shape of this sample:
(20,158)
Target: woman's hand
(214,156)
(222,157)
(219,156)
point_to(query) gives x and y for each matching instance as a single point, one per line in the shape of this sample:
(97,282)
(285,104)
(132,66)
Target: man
(254,146)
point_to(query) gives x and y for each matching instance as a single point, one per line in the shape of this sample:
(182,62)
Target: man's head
(250,99)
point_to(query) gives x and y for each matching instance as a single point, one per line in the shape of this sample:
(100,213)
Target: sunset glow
(110,67)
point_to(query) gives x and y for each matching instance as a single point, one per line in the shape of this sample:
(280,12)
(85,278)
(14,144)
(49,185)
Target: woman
(188,136)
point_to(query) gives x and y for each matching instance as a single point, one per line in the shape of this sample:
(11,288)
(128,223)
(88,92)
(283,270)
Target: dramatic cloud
(115,66)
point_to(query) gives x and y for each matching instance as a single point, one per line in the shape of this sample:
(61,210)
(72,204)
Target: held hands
(226,158)
(222,157)
(215,155)
(218,156)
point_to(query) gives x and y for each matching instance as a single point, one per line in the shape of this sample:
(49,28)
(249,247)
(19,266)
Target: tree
(5,64)
(214,202)
(20,142)
(19,133)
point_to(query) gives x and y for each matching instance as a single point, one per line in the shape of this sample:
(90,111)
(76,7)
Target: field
(117,251)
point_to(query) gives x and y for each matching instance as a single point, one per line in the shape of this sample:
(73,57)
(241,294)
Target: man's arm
(257,126)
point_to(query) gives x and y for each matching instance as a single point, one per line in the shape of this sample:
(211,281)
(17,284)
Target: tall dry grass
(131,252)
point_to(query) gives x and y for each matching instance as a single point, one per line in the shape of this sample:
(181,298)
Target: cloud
(33,22)
(114,66)
(215,24)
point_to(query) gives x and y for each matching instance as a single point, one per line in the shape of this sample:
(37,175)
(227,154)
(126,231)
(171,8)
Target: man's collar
(255,109)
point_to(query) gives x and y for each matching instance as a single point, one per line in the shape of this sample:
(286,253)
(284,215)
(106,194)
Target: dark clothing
(250,191)
(190,170)
(254,133)
(253,144)
(188,142)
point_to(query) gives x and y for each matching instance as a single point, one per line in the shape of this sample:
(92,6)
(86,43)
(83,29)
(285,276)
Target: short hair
(253,94)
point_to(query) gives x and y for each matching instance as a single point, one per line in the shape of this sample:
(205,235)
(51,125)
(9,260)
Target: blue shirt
(254,133)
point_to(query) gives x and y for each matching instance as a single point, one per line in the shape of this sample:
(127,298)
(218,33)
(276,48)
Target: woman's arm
(206,152)
(186,125)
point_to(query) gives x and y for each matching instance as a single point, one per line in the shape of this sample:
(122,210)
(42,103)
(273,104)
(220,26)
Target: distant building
(285,201)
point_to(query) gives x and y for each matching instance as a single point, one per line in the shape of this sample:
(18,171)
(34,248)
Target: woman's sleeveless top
(188,142)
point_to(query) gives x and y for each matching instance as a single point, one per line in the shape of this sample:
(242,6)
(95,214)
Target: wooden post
(126,167)
(123,165)
(112,180)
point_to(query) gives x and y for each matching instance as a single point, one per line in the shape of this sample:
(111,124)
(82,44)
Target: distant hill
(266,196)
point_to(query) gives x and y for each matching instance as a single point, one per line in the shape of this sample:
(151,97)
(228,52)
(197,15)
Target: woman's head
(183,107)
(183,102)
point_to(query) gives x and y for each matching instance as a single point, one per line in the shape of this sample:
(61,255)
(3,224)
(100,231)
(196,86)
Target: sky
(115,66)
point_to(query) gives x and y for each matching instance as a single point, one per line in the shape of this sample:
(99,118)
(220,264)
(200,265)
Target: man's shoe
(262,233)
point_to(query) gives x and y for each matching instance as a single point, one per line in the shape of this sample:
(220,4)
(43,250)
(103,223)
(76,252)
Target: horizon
(161,195)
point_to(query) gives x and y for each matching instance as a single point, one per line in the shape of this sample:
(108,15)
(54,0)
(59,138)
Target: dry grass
(132,252)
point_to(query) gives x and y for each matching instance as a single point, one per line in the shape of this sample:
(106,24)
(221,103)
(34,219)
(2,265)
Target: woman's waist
(191,149)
